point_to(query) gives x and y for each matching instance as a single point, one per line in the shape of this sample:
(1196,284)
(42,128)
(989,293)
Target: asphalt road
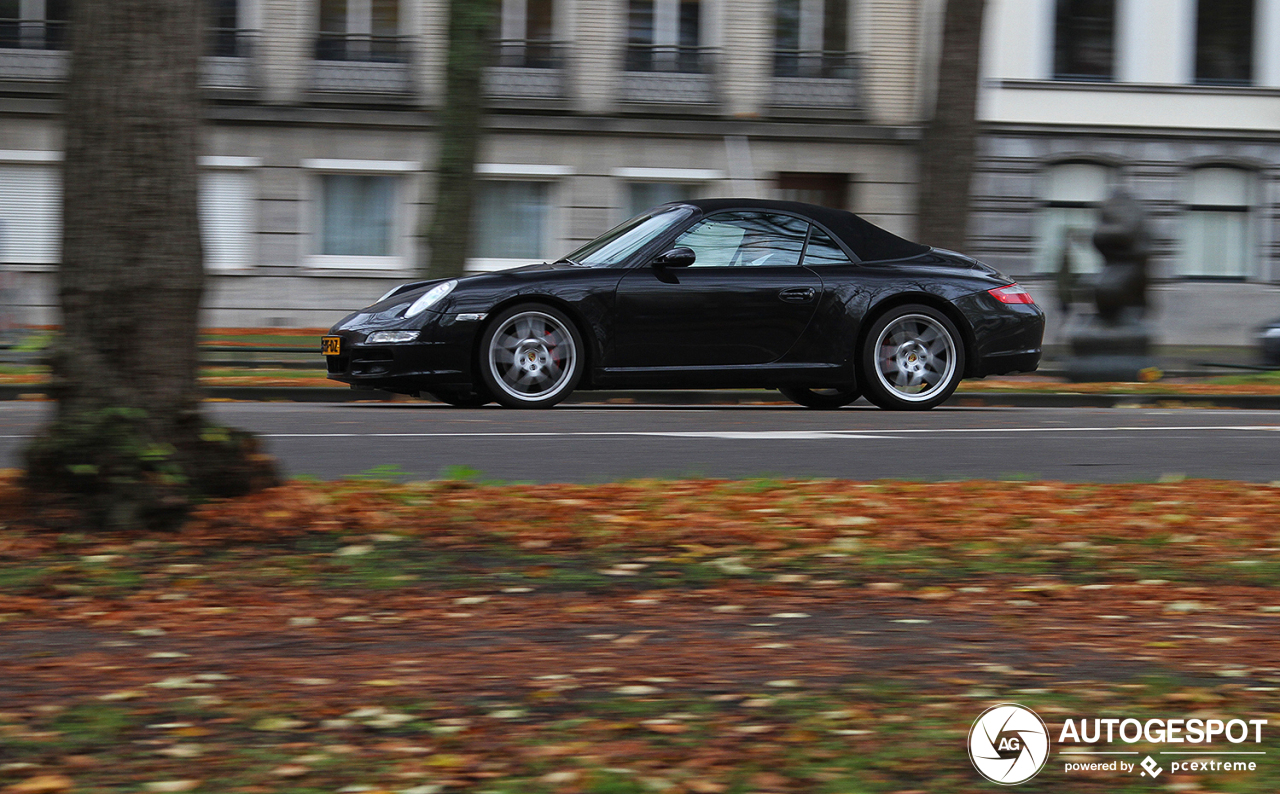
(611,442)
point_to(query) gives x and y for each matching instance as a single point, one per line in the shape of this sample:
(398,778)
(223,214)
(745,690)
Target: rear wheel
(820,398)
(531,356)
(913,359)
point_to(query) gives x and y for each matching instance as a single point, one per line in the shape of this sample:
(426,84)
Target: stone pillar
(431,49)
(745,73)
(1156,41)
(597,39)
(285,49)
(888,44)
(1266,44)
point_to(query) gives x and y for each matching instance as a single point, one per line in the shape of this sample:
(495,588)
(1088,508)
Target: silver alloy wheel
(915,358)
(532,356)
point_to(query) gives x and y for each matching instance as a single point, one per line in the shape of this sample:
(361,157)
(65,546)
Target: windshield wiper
(567,261)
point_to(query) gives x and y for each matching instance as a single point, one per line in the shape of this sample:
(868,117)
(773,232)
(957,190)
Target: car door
(745,300)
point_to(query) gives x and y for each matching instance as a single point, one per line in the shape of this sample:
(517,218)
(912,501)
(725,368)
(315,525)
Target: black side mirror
(676,257)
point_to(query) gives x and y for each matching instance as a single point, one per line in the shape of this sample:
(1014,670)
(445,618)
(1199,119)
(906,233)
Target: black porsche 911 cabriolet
(717,293)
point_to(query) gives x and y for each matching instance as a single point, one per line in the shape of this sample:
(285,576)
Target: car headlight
(1271,333)
(383,337)
(431,297)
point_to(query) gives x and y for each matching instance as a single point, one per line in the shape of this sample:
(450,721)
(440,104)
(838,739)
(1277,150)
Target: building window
(30,214)
(825,190)
(665,36)
(510,219)
(1072,194)
(358,215)
(1219,241)
(644,196)
(528,35)
(811,38)
(34,24)
(227,36)
(1224,42)
(360,30)
(1084,40)
(227,219)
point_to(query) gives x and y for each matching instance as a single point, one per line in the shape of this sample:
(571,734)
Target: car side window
(746,239)
(823,250)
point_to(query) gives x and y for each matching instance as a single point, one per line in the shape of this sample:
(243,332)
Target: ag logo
(1008,744)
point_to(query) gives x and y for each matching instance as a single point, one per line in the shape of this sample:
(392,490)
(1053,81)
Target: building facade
(319,148)
(1178,101)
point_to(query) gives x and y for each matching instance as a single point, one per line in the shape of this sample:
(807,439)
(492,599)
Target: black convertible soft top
(868,241)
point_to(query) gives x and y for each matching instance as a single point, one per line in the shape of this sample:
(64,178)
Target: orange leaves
(41,784)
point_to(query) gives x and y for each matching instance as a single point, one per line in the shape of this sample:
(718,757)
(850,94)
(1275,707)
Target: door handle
(798,294)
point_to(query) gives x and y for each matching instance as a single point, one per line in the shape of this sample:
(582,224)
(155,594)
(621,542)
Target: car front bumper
(440,356)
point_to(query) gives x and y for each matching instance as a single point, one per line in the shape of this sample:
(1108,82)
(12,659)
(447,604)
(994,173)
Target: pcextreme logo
(1008,744)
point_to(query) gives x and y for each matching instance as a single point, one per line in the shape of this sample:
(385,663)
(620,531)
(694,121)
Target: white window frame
(1048,254)
(36,158)
(813,25)
(34,13)
(666,23)
(514,25)
(401,258)
(553,235)
(1246,211)
(359,22)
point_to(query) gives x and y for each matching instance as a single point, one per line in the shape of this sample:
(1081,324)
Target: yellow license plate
(331,345)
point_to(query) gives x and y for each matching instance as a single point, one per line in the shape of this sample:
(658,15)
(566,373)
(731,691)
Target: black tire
(823,399)
(912,359)
(462,398)
(531,356)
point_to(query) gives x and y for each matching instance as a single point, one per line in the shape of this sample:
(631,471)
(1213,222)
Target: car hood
(389,311)
(410,291)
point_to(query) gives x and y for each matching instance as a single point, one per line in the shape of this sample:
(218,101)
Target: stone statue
(1125,244)
(1115,343)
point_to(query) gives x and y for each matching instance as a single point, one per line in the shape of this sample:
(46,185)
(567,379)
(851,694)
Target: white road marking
(773,435)
(762,435)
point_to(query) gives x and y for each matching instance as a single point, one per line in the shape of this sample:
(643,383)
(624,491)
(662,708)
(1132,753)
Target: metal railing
(529,54)
(666,58)
(349,47)
(231,43)
(229,60)
(817,80)
(825,64)
(526,69)
(33,34)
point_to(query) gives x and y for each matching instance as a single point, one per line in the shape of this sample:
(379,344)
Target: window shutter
(30,214)
(227,219)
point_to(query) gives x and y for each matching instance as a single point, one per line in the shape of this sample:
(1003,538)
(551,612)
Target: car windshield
(615,245)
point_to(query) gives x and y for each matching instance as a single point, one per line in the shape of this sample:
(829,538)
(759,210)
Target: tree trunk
(947,151)
(461,120)
(128,444)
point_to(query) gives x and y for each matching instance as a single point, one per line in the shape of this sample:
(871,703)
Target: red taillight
(1011,294)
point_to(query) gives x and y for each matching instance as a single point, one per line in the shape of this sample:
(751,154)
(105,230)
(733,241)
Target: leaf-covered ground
(653,636)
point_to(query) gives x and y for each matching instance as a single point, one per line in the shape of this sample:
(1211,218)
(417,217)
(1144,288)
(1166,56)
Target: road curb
(1268,402)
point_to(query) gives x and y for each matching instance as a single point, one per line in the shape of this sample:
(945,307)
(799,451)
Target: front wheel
(825,399)
(531,356)
(912,360)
